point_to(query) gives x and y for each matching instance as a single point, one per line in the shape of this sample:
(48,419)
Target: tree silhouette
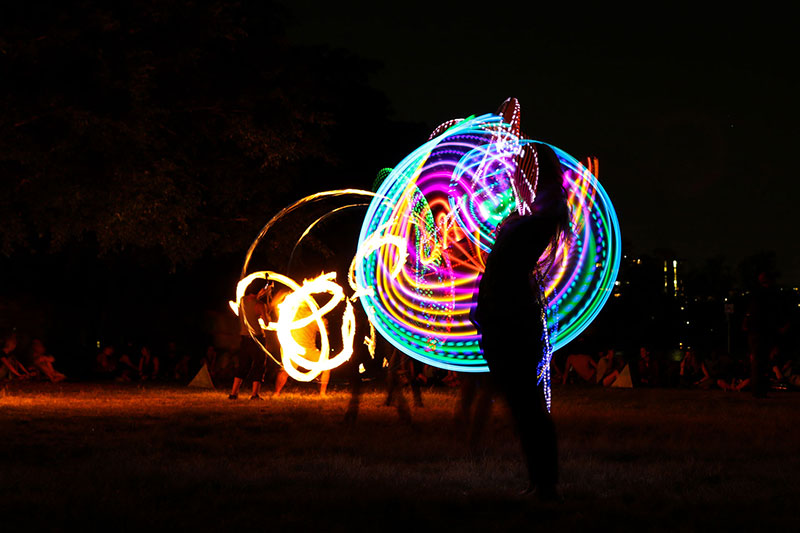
(175,127)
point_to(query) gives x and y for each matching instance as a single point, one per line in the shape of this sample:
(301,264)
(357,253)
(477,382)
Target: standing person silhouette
(252,359)
(509,316)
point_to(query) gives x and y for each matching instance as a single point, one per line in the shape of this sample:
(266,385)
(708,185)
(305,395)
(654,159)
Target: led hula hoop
(427,232)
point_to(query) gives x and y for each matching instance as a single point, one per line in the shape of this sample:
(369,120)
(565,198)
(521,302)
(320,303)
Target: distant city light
(675,277)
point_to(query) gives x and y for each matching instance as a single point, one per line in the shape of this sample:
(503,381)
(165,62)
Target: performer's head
(551,198)
(265,293)
(255,286)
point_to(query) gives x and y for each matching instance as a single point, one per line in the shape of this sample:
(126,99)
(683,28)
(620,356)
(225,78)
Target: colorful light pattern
(424,241)
(426,234)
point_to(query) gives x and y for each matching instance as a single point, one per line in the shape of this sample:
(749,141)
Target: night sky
(693,116)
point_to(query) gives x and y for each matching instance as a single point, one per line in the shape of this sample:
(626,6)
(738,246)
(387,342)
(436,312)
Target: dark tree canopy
(174,127)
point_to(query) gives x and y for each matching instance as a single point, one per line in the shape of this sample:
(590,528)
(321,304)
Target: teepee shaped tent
(203,379)
(624,379)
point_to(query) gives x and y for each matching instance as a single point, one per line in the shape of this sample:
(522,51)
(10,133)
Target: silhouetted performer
(509,315)
(252,359)
(360,357)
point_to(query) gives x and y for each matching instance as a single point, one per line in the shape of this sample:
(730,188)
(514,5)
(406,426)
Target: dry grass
(129,457)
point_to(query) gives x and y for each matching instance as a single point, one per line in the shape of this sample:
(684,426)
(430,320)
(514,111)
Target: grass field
(130,457)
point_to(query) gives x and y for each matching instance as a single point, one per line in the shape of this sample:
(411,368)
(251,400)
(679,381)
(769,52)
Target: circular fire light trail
(300,301)
(299,297)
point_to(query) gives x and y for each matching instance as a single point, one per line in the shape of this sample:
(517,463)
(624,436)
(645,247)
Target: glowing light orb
(426,234)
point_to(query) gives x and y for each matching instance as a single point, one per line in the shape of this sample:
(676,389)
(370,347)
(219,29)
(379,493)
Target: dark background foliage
(143,144)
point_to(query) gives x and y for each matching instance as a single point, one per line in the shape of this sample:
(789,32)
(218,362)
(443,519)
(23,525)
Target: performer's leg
(466,396)
(483,410)
(416,389)
(237,383)
(323,382)
(353,406)
(516,380)
(280,381)
(258,371)
(537,436)
(244,356)
(392,376)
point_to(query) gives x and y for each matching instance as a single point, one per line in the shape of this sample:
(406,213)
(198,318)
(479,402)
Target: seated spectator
(648,368)
(451,379)
(583,365)
(781,365)
(784,370)
(607,369)
(148,364)
(732,374)
(224,364)
(127,364)
(177,361)
(791,372)
(10,367)
(44,362)
(711,369)
(106,362)
(736,383)
(692,372)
